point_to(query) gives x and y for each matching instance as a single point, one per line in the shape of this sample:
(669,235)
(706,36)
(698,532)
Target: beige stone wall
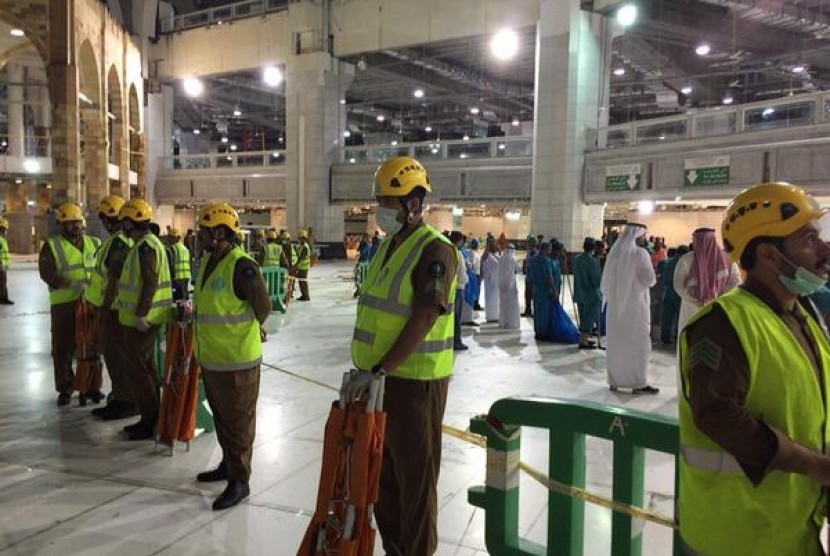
(33,17)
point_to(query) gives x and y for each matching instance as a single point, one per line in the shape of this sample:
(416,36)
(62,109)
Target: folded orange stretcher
(180,388)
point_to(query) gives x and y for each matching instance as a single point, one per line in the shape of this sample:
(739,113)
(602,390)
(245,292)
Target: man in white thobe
(625,286)
(474,262)
(490,276)
(510,315)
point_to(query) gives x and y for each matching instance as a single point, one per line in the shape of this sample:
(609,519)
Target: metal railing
(778,113)
(222,14)
(568,423)
(487,147)
(231,159)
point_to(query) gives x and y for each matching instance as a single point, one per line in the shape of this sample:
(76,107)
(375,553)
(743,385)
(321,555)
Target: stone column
(156,143)
(95,159)
(572,63)
(315,83)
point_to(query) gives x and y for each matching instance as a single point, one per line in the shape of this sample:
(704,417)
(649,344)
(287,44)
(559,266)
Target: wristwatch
(378,370)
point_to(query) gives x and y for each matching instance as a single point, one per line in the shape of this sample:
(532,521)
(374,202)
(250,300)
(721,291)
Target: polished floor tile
(70,484)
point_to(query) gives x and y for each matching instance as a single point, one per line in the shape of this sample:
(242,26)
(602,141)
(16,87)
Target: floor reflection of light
(34,380)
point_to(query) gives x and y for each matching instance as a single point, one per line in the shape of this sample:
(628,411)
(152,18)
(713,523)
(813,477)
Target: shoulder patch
(437,269)
(705,352)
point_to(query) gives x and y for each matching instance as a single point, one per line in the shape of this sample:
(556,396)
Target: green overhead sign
(713,170)
(625,177)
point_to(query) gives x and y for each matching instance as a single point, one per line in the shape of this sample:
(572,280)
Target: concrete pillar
(16,131)
(158,139)
(572,64)
(63,93)
(315,83)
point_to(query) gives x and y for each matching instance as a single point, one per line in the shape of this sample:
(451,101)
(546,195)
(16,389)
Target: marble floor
(69,484)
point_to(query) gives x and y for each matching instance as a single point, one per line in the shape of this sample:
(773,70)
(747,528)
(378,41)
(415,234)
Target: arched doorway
(91,130)
(115,131)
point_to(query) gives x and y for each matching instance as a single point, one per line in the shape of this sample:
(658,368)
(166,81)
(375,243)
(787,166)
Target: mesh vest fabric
(129,286)
(227,331)
(385,305)
(721,512)
(94,294)
(73,264)
(273,252)
(5,255)
(182,264)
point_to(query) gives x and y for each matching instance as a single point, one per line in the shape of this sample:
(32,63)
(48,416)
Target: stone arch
(36,35)
(92,133)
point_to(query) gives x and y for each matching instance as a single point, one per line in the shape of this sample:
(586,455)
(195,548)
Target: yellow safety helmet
(219,214)
(285,235)
(766,210)
(175,232)
(259,233)
(111,205)
(272,234)
(4,223)
(137,210)
(399,176)
(70,212)
(303,234)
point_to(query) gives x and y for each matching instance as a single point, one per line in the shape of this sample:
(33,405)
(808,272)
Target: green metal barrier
(360,275)
(276,278)
(569,423)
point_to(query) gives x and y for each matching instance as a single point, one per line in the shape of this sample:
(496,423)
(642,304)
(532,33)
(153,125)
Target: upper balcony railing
(245,159)
(222,14)
(779,113)
(488,147)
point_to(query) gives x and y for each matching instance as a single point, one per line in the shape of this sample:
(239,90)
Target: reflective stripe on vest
(5,254)
(722,513)
(100,274)
(227,331)
(71,263)
(129,285)
(182,267)
(385,305)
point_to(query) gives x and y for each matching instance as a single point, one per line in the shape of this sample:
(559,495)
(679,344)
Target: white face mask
(387,220)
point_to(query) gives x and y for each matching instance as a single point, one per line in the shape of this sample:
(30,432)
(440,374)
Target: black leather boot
(234,493)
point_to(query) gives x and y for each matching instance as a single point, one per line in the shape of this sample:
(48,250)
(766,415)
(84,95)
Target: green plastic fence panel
(569,424)
(276,278)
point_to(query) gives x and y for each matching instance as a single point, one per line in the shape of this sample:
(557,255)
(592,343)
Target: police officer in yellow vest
(181,265)
(65,263)
(102,291)
(273,250)
(754,425)
(145,299)
(304,253)
(230,303)
(404,329)
(5,261)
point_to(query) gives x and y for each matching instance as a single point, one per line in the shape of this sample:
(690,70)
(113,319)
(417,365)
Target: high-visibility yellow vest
(182,266)
(129,285)
(273,252)
(73,264)
(227,330)
(293,250)
(385,305)
(303,257)
(721,512)
(5,254)
(94,294)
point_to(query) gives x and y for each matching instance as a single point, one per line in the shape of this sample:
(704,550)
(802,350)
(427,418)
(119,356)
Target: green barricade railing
(276,278)
(360,275)
(569,423)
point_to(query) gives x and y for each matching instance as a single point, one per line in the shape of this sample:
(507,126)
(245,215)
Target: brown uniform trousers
(110,343)
(4,290)
(232,396)
(303,275)
(63,345)
(141,370)
(407,509)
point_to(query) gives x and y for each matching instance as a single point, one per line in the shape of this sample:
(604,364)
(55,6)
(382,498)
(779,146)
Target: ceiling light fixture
(347,133)
(627,15)
(703,49)
(342,101)
(237,112)
(728,99)
(687,90)
(466,137)
(505,44)
(224,139)
(272,76)
(234,147)
(619,71)
(381,117)
(515,122)
(768,112)
(475,111)
(799,68)
(17,32)
(394,143)
(428,129)
(193,86)
(418,93)
(197,131)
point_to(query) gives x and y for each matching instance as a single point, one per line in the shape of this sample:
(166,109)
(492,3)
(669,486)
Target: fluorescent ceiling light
(505,44)
(234,147)
(475,111)
(687,90)
(272,76)
(394,143)
(193,86)
(381,117)
(17,32)
(418,93)
(224,139)
(347,133)
(428,128)
(768,111)
(466,137)
(515,122)
(237,112)
(627,15)
(799,68)
(619,71)
(703,49)
(728,99)
(197,131)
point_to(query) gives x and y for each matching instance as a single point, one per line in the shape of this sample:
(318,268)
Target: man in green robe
(587,277)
